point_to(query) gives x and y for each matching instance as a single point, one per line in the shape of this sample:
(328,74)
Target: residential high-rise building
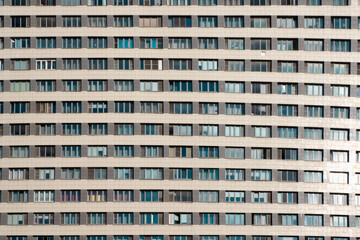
(180,119)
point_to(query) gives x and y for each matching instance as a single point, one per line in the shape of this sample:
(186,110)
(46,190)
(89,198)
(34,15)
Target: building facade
(180,119)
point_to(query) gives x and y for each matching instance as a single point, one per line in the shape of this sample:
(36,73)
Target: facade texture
(180,119)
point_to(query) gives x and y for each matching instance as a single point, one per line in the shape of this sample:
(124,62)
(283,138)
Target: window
(208,152)
(339,156)
(43,218)
(339,221)
(235,174)
(339,90)
(124,129)
(20,64)
(236,197)
(314,177)
(98,107)
(123,196)
(19,151)
(151,196)
(340,68)
(260,175)
(287,88)
(70,218)
(208,22)
(260,66)
(287,22)
(151,218)
(339,134)
(313,155)
(288,219)
(19,129)
(123,2)
(150,22)
(124,151)
(208,65)
(339,177)
(19,3)
(234,3)
(313,220)
(71,107)
(46,21)
(261,109)
(314,111)
(339,112)
(234,87)
(263,88)
(234,152)
(288,176)
(156,43)
(261,131)
(150,64)
(235,65)
(260,22)
(340,2)
(180,130)
(98,64)
(235,109)
(261,197)
(44,196)
(97,42)
(151,237)
(287,110)
(124,173)
(179,3)
(17,219)
(259,2)
(261,153)
(180,152)
(123,85)
(177,21)
(97,151)
(151,86)
(72,64)
(339,199)
(71,151)
(287,132)
(152,151)
(180,86)
(46,3)
(340,23)
(315,90)
(97,85)
(180,196)
(20,42)
(261,219)
(313,45)
(151,173)
(181,173)
(208,43)
(96,218)
(20,107)
(45,86)
(287,45)
(208,196)
(96,195)
(180,43)
(151,107)
(287,154)
(313,22)
(340,45)
(97,21)
(71,3)
(315,68)
(124,42)
(20,21)
(208,108)
(234,22)
(45,107)
(124,107)
(44,173)
(71,21)
(71,129)
(123,218)
(314,198)
(235,218)
(313,133)
(208,174)
(45,42)
(234,131)
(287,66)
(70,42)
(260,44)
(70,173)
(18,173)
(180,218)
(45,151)
(46,64)
(18,196)
(97,3)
